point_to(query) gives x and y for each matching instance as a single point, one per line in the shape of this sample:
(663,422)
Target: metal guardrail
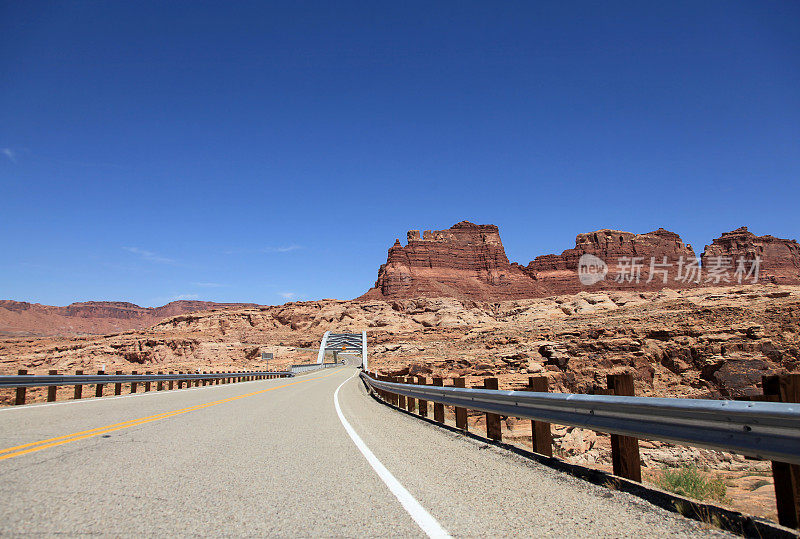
(35,380)
(767,430)
(305,367)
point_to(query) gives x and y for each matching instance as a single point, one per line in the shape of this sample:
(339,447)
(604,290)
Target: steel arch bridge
(343,342)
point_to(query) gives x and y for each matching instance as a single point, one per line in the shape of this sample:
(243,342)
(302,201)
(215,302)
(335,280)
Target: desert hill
(19,318)
(700,342)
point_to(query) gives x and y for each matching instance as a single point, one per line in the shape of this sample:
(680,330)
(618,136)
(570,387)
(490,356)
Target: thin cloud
(287,249)
(11,154)
(150,256)
(210,285)
(181,297)
(287,295)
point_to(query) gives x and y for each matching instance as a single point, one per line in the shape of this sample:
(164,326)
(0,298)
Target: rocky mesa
(463,261)
(779,258)
(468,261)
(648,261)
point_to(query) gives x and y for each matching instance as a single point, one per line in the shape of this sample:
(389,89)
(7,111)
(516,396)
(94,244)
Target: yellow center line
(52,442)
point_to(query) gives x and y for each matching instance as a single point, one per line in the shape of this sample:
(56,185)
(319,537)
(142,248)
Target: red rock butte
(780,259)
(467,261)
(464,261)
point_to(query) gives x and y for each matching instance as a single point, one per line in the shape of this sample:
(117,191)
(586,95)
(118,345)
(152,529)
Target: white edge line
(424,520)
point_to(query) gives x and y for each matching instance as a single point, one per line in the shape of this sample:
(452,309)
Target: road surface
(274,457)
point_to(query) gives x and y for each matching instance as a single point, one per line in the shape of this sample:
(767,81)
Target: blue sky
(236,151)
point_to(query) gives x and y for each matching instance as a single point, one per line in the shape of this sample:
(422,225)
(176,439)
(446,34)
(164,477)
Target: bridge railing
(766,430)
(53,380)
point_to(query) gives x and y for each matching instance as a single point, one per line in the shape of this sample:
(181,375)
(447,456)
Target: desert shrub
(758,484)
(689,481)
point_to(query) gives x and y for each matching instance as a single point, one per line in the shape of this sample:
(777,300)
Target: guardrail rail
(53,380)
(305,367)
(765,430)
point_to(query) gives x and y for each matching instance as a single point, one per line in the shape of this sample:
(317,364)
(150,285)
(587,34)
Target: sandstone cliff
(663,249)
(779,258)
(463,261)
(467,261)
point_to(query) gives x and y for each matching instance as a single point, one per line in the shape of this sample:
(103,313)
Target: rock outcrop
(467,261)
(463,261)
(629,259)
(779,259)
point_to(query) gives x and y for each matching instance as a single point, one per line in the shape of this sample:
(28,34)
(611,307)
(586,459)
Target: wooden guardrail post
(410,401)
(438,408)
(118,386)
(98,388)
(624,449)
(541,433)
(134,384)
(21,391)
(78,387)
(160,383)
(387,395)
(170,384)
(494,429)
(51,390)
(401,399)
(461,413)
(785,388)
(147,384)
(422,404)
(396,396)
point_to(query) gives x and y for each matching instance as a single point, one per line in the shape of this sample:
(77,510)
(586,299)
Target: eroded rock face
(463,261)
(468,261)
(620,251)
(779,258)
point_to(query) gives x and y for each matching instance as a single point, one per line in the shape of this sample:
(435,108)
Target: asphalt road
(273,458)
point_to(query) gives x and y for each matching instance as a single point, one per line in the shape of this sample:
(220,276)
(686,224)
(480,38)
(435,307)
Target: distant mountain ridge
(20,318)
